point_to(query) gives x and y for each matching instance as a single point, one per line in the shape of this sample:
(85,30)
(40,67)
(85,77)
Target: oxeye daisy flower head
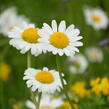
(45,81)
(59,39)
(25,38)
(9,18)
(94,54)
(96,17)
(77,63)
(47,102)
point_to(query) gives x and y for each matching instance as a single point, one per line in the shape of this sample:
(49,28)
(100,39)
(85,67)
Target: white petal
(77,44)
(24,49)
(62,26)
(54,26)
(47,28)
(75,38)
(70,28)
(67,52)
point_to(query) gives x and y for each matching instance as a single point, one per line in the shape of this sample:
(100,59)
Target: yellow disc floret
(59,40)
(77,63)
(44,77)
(94,55)
(96,18)
(30,35)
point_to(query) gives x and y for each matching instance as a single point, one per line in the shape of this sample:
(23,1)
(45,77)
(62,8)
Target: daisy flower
(78,63)
(46,103)
(94,54)
(97,18)
(9,19)
(26,38)
(46,81)
(60,40)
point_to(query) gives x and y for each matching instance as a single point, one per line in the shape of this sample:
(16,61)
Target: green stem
(2,96)
(28,66)
(33,98)
(28,60)
(62,81)
(39,99)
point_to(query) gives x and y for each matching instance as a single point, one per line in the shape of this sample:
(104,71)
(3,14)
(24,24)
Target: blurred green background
(40,11)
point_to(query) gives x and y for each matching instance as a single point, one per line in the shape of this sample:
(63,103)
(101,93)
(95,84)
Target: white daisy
(26,38)
(78,63)
(46,81)
(9,19)
(96,17)
(60,40)
(94,54)
(47,102)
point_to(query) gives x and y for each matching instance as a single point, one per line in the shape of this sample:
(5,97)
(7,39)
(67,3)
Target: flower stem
(39,99)
(28,60)
(62,81)
(28,66)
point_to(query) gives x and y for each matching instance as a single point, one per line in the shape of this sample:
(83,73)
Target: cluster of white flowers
(55,39)
(58,40)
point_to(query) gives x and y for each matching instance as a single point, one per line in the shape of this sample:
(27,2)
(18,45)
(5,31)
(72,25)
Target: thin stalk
(28,66)
(28,60)
(62,81)
(33,98)
(39,99)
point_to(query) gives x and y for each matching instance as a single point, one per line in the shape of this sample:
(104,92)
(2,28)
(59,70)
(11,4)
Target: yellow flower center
(45,107)
(30,35)
(96,18)
(94,55)
(44,77)
(77,63)
(59,40)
